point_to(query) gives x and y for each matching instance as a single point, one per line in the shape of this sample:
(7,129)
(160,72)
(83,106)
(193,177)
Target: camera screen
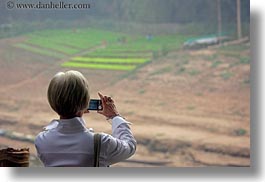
(95,105)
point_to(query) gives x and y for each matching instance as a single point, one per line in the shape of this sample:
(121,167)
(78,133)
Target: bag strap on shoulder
(97,145)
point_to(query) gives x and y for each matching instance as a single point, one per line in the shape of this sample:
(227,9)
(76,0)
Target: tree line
(171,11)
(144,11)
(217,15)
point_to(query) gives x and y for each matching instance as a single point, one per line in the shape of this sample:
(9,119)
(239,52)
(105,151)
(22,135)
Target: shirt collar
(76,124)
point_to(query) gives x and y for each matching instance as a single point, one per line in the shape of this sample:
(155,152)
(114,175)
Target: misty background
(198,17)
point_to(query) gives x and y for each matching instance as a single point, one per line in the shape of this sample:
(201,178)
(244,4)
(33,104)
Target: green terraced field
(157,43)
(109,60)
(80,38)
(40,51)
(67,41)
(120,51)
(99,66)
(105,63)
(59,47)
(120,54)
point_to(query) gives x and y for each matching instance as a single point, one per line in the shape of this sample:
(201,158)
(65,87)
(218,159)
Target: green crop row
(156,44)
(110,60)
(99,66)
(44,43)
(66,42)
(75,42)
(79,38)
(119,54)
(71,41)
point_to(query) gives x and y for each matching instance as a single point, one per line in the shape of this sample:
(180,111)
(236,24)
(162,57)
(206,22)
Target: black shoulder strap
(97,145)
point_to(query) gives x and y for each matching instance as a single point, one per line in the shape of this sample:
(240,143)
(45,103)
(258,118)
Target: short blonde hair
(68,93)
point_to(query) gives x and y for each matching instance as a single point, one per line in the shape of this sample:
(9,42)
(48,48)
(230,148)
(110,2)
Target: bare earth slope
(189,108)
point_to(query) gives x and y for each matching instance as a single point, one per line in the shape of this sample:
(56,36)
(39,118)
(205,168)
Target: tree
(239,30)
(219,17)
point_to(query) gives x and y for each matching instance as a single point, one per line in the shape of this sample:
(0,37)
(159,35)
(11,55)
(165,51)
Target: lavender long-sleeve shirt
(68,142)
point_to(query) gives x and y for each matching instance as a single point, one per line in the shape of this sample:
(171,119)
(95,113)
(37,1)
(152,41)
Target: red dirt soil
(185,112)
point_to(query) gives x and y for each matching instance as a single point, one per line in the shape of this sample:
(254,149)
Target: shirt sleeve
(122,144)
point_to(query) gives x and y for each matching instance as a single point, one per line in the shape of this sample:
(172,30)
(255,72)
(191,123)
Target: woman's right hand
(109,108)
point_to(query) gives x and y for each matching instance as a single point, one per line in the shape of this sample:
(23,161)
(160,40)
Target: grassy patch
(199,94)
(160,134)
(130,101)
(99,66)
(182,62)
(229,53)
(119,54)
(142,91)
(130,113)
(185,62)
(46,43)
(215,64)
(246,81)
(68,41)
(212,57)
(244,60)
(212,89)
(194,72)
(161,71)
(39,51)
(240,132)
(190,107)
(79,38)
(161,104)
(158,43)
(226,75)
(106,63)
(234,48)
(110,60)
(181,70)
(155,54)
(234,51)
